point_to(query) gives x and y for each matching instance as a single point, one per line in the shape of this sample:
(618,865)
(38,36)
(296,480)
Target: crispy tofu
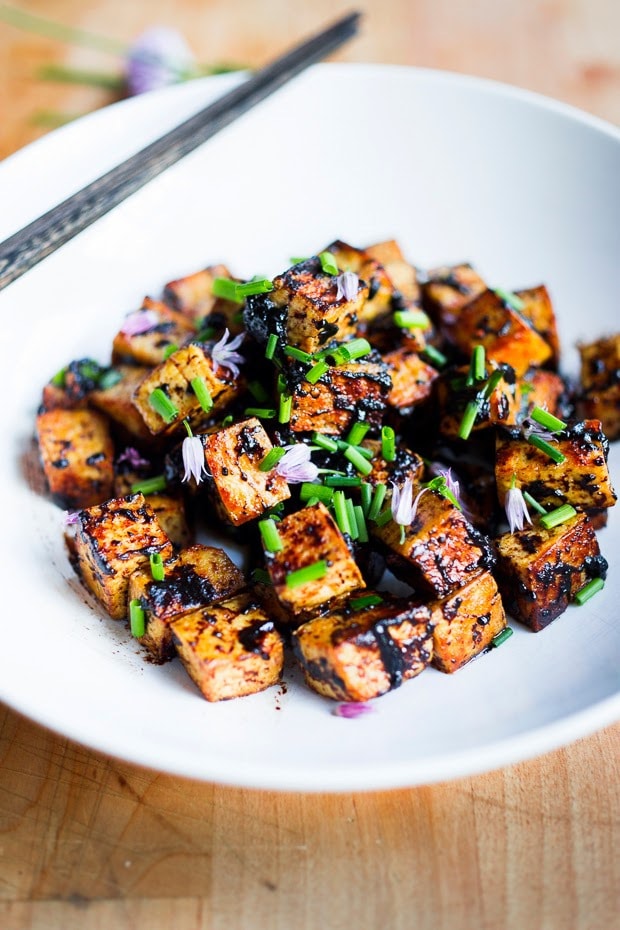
(356,655)
(538,309)
(230,649)
(501,408)
(163,328)
(193,297)
(539,570)
(441,550)
(406,464)
(308,536)
(412,379)
(600,380)
(401,273)
(465,622)
(116,401)
(113,540)
(582,479)
(71,387)
(380,288)
(195,578)
(77,456)
(174,377)
(168,507)
(506,334)
(447,290)
(545,389)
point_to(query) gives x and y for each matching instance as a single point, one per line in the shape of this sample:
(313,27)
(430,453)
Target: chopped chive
(282,385)
(285,408)
(377,501)
(512,300)
(468,420)
(547,419)
(357,432)
(157,566)
(325,442)
(355,348)
(203,335)
(492,383)
(434,356)
(352,520)
(388,443)
(328,263)
(366,495)
(255,286)
(440,485)
(272,458)
(533,503)
(477,366)
(359,462)
(90,370)
(170,350)
(312,501)
(589,590)
(258,392)
(317,371)
(527,388)
(501,637)
(558,516)
(367,453)
(260,576)
(411,319)
(109,378)
(150,485)
(546,447)
(264,413)
(272,345)
(308,573)
(341,513)
(337,356)
(342,481)
(384,517)
(271,537)
(137,623)
(297,260)
(298,354)
(59,378)
(227,421)
(226,288)
(162,405)
(199,386)
(320,491)
(361,603)
(362,529)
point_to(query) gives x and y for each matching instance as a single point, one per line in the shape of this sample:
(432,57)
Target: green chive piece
(434,356)
(199,386)
(355,348)
(260,576)
(297,260)
(411,319)
(509,298)
(361,603)
(362,529)
(589,590)
(501,637)
(357,433)
(477,366)
(312,501)
(203,335)
(533,503)
(328,263)
(440,485)
(272,345)
(377,501)
(59,378)
(308,573)
(264,413)
(317,371)
(255,286)
(271,537)
(258,392)
(227,421)
(307,491)
(170,350)
(384,517)
(150,485)
(137,622)
(367,453)
(298,354)
(527,388)
(109,378)
(162,405)
(272,458)
(341,513)
(351,515)
(157,566)
(342,481)
(469,418)
(359,462)
(546,447)
(388,443)
(492,383)
(325,442)
(558,516)
(366,495)
(226,288)
(547,419)
(285,408)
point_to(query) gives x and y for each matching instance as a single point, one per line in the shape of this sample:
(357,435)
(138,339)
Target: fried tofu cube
(447,291)
(538,309)
(544,389)
(147,334)
(71,387)
(600,380)
(412,379)
(356,655)
(230,649)
(193,297)
(356,390)
(195,578)
(311,536)
(539,570)
(582,479)
(406,464)
(465,622)
(116,401)
(440,551)
(112,541)
(401,273)
(502,407)
(174,377)
(233,456)
(77,456)
(170,512)
(380,289)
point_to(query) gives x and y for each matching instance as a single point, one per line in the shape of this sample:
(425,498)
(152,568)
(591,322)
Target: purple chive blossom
(139,322)
(352,710)
(452,484)
(224,354)
(157,58)
(295,465)
(516,509)
(531,428)
(193,459)
(404,507)
(133,458)
(71,517)
(347,283)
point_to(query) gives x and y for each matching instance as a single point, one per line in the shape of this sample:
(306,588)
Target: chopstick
(27,247)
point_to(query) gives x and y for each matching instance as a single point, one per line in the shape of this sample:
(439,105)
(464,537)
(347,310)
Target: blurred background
(567,49)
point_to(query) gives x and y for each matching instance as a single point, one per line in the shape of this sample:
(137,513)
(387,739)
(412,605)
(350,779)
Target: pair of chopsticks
(25,248)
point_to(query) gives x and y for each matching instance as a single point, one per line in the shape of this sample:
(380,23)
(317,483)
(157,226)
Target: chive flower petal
(295,465)
(224,353)
(141,321)
(193,455)
(157,58)
(347,284)
(516,509)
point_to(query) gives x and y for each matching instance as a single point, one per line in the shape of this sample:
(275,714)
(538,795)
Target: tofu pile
(375,368)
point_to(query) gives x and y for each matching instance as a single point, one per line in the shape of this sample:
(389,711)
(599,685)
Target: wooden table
(87,842)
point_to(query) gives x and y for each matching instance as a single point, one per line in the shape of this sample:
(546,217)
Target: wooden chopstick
(25,248)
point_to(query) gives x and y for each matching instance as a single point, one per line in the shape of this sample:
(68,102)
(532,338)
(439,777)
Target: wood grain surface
(91,843)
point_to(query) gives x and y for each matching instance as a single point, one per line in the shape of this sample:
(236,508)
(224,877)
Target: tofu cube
(197,577)
(112,541)
(406,464)
(233,456)
(161,328)
(412,379)
(540,570)
(401,273)
(308,536)
(380,289)
(356,655)
(117,403)
(447,291)
(600,379)
(582,479)
(193,297)
(230,649)
(502,407)
(77,456)
(465,622)
(538,309)
(544,389)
